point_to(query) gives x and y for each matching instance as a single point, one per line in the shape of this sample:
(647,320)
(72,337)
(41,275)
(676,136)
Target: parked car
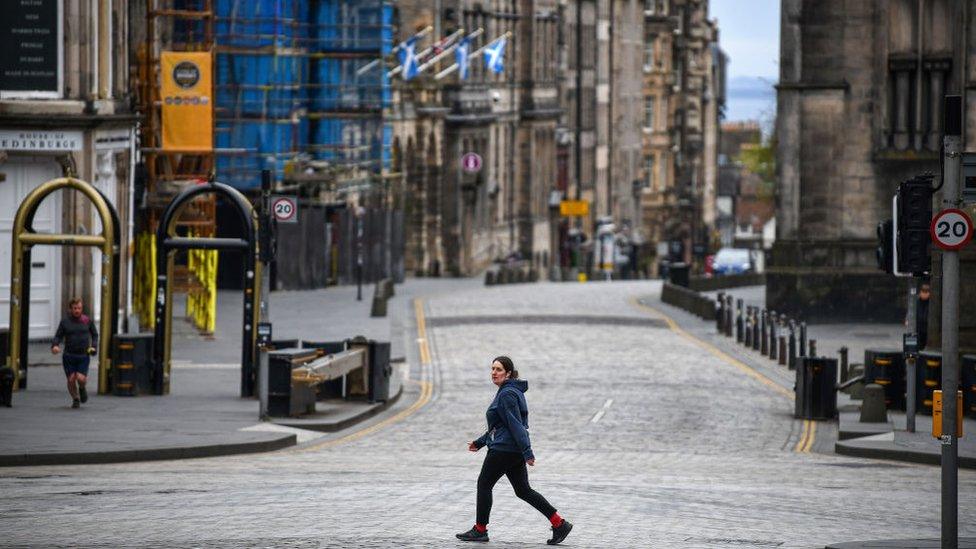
(732,261)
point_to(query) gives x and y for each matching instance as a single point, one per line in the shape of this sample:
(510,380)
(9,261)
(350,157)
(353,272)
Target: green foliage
(760,159)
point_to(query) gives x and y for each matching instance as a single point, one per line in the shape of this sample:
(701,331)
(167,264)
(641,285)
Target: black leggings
(511,465)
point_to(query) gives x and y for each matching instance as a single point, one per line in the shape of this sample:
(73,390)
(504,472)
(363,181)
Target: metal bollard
(772,335)
(755,328)
(813,348)
(764,334)
(803,339)
(720,313)
(747,341)
(728,316)
(791,360)
(739,327)
(843,364)
(782,350)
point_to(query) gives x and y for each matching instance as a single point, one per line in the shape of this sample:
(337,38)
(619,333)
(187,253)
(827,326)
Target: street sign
(574,208)
(285,208)
(951,229)
(471,162)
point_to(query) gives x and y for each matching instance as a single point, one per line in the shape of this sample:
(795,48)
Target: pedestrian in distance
(509,451)
(80,339)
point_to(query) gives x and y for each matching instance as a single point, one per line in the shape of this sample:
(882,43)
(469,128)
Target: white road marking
(302,435)
(599,415)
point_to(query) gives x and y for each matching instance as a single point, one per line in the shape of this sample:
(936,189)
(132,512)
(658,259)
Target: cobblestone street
(643,438)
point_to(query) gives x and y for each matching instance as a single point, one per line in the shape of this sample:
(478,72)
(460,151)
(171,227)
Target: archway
(25,238)
(169,242)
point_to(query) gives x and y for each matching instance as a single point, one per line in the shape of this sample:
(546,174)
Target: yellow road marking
(743,367)
(807,438)
(426,390)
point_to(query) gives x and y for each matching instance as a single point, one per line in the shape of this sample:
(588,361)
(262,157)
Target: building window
(649,105)
(649,172)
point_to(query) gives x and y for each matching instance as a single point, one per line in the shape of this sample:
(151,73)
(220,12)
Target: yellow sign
(187,96)
(574,208)
(937,414)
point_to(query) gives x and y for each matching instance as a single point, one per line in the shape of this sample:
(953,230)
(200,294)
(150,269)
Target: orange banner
(187,95)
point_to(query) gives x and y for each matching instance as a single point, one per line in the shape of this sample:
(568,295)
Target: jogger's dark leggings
(511,465)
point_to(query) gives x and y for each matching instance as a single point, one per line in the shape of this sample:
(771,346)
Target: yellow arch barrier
(24,238)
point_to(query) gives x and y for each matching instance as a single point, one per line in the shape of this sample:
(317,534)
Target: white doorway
(24,174)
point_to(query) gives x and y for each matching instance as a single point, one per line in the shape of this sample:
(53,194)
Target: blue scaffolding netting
(290,85)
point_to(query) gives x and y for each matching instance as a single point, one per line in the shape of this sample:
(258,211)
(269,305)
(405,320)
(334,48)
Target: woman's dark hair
(507,364)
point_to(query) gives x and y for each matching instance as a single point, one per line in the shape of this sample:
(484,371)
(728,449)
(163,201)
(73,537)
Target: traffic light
(914,216)
(883,252)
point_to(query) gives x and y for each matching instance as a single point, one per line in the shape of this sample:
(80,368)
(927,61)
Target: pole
(267,247)
(910,364)
(359,253)
(950,328)
(578,137)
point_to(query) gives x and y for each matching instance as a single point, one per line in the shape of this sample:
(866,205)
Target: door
(24,174)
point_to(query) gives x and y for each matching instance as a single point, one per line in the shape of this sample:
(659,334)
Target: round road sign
(284,208)
(951,229)
(471,162)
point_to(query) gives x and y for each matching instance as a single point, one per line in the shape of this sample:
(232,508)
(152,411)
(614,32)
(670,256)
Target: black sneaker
(76,403)
(473,535)
(82,394)
(560,532)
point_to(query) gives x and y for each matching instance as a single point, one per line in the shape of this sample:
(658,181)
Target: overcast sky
(749,35)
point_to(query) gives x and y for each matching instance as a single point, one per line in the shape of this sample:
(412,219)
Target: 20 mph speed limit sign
(285,208)
(951,229)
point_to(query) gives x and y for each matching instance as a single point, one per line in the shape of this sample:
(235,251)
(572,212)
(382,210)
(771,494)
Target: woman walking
(509,451)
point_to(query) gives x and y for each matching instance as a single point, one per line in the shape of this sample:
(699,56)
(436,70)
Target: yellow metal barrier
(201,299)
(144,291)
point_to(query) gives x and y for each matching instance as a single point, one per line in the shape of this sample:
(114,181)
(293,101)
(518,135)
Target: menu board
(30,39)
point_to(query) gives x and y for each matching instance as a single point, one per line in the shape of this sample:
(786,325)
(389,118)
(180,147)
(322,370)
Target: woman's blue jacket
(508,420)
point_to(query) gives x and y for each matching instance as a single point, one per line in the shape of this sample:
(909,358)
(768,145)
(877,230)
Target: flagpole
(422,33)
(446,51)
(472,55)
(448,40)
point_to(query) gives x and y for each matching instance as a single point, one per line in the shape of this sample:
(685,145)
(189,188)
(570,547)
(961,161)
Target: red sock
(556,520)
(481,527)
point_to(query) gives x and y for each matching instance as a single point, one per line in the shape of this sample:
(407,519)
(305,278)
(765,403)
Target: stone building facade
(859,109)
(458,222)
(684,96)
(65,99)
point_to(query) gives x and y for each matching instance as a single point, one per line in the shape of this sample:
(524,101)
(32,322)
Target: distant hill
(750,98)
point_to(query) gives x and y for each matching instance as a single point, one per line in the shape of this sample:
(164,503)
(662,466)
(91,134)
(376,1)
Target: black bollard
(772,335)
(728,316)
(739,327)
(791,360)
(843,364)
(720,313)
(755,328)
(813,348)
(803,339)
(764,334)
(782,351)
(747,341)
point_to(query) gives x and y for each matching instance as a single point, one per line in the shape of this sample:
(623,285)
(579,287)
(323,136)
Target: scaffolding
(290,89)
(172,25)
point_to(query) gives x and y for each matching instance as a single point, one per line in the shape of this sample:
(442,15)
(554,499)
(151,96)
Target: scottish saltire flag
(461,54)
(408,58)
(495,55)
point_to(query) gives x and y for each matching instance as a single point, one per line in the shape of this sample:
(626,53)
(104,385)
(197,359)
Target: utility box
(132,364)
(816,393)
(967,382)
(886,367)
(380,371)
(928,374)
(285,399)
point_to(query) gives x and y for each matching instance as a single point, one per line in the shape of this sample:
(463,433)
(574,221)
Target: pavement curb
(858,447)
(930,543)
(274,442)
